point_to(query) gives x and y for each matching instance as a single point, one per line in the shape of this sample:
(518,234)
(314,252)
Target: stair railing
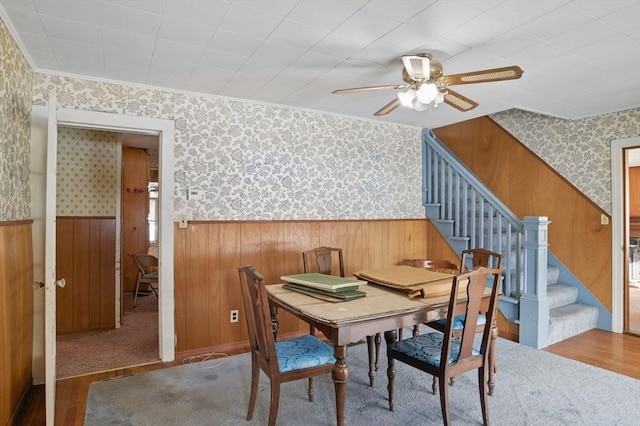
(475,212)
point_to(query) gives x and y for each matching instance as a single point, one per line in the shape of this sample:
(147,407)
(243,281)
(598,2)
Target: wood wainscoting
(208,254)
(16,315)
(530,187)
(85,258)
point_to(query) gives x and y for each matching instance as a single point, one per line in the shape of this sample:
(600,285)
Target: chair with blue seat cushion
(282,361)
(470,259)
(444,355)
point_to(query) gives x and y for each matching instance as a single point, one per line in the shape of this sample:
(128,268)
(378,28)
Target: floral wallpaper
(255,161)
(98,96)
(86,180)
(577,149)
(263,162)
(15,130)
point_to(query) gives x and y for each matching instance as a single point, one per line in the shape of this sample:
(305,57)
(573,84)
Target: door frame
(165,130)
(619,227)
(51,277)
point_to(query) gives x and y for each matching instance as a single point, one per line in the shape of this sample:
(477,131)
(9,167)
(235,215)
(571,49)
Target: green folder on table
(327,283)
(329,296)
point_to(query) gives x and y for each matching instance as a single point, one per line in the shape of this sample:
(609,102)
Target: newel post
(534,302)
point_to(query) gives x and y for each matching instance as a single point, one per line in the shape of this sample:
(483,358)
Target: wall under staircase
(469,215)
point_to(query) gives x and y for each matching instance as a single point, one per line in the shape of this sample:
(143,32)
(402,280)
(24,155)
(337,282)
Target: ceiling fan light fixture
(427,93)
(418,106)
(406,98)
(427,86)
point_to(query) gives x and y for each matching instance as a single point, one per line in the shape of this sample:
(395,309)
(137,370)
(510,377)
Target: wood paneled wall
(85,254)
(208,254)
(16,315)
(529,187)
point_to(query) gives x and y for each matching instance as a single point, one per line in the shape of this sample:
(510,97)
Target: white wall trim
(619,210)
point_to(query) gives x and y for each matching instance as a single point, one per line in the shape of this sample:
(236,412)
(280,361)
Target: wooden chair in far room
(147,274)
(282,361)
(443,355)
(323,264)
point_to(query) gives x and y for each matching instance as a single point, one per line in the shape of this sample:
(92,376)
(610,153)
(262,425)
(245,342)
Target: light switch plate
(183,222)
(194,194)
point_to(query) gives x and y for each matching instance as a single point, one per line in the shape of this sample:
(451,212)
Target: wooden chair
(282,361)
(477,257)
(436,265)
(147,274)
(470,259)
(323,260)
(443,355)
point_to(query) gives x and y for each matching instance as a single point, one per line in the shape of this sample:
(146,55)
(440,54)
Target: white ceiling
(580,58)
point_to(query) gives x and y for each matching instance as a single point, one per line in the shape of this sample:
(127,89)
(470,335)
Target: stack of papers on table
(325,287)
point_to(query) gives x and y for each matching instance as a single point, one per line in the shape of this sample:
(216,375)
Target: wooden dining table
(381,310)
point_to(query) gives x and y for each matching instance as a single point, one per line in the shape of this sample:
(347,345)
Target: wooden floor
(611,351)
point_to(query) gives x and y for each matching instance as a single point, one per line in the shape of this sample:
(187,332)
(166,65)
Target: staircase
(567,317)
(534,295)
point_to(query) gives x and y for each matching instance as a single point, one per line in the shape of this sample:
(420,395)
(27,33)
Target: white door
(50,265)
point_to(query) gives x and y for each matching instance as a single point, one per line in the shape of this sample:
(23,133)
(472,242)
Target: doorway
(92,164)
(164,130)
(625,163)
(631,296)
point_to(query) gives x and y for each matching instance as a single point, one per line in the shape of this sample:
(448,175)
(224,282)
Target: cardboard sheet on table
(402,276)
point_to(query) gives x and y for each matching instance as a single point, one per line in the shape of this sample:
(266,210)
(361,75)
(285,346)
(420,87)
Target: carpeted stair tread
(570,320)
(561,294)
(553,273)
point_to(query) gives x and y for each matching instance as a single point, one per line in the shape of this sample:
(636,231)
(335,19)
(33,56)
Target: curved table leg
(340,376)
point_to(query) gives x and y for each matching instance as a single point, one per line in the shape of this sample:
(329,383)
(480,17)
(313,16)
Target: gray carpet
(533,388)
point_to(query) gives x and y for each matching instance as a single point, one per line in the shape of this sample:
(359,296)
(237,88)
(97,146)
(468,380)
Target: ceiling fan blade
(458,101)
(417,67)
(484,76)
(364,89)
(395,103)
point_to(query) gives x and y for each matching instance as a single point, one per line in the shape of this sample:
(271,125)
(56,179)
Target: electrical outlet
(234,315)
(184,222)
(604,219)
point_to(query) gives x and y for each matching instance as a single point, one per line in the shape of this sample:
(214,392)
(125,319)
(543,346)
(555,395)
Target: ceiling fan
(427,85)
